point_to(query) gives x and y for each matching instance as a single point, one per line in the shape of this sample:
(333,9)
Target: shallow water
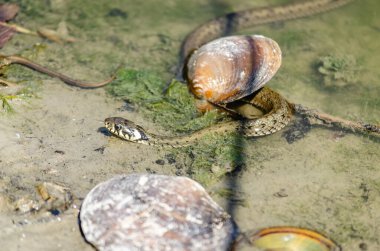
(326,181)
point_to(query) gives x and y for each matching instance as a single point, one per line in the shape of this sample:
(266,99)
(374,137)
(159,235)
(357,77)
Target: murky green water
(326,181)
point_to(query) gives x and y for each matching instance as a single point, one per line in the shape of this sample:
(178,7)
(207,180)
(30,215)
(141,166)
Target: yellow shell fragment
(292,239)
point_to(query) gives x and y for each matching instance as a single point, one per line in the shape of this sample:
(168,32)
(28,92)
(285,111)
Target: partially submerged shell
(230,68)
(154,212)
(290,239)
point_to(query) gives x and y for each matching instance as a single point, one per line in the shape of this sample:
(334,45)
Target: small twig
(324,119)
(7,83)
(18,28)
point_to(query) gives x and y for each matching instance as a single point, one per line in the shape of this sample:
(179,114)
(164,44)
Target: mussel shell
(154,212)
(230,68)
(290,239)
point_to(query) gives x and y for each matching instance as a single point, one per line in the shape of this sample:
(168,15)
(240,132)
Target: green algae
(26,91)
(175,110)
(338,71)
(214,156)
(5,99)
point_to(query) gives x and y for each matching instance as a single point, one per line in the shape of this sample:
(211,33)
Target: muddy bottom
(62,142)
(327,180)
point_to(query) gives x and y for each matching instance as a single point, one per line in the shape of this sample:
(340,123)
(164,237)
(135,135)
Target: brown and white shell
(154,212)
(230,68)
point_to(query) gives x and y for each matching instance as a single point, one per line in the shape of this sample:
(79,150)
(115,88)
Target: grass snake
(277,110)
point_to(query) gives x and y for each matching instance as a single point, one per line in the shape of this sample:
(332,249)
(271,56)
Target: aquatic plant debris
(5,102)
(338,71)
(154,212)
(174,110)
(7,12)
(60,36)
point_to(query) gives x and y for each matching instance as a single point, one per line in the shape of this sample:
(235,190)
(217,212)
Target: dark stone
(115,12)
(160,162)
(170,158)
(100,149)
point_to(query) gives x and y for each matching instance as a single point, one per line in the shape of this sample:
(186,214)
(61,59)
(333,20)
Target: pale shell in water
(230,68)
(154,212)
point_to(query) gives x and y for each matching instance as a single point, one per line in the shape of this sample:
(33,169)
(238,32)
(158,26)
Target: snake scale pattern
(277,110)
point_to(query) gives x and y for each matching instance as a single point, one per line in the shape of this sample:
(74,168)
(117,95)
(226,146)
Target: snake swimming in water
(277,111)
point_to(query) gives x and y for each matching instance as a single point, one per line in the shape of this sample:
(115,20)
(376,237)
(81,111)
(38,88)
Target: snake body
(277,110)
(232,22)
(277,114)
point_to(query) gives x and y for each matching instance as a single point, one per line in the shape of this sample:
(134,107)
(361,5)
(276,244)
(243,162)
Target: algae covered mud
(326,180)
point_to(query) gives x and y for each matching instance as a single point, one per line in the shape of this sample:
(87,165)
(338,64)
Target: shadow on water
(295,131)
(104,131)
(300,126)
(220,7)
(232,178)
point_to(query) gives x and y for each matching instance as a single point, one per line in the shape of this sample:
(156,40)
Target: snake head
(126,129)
